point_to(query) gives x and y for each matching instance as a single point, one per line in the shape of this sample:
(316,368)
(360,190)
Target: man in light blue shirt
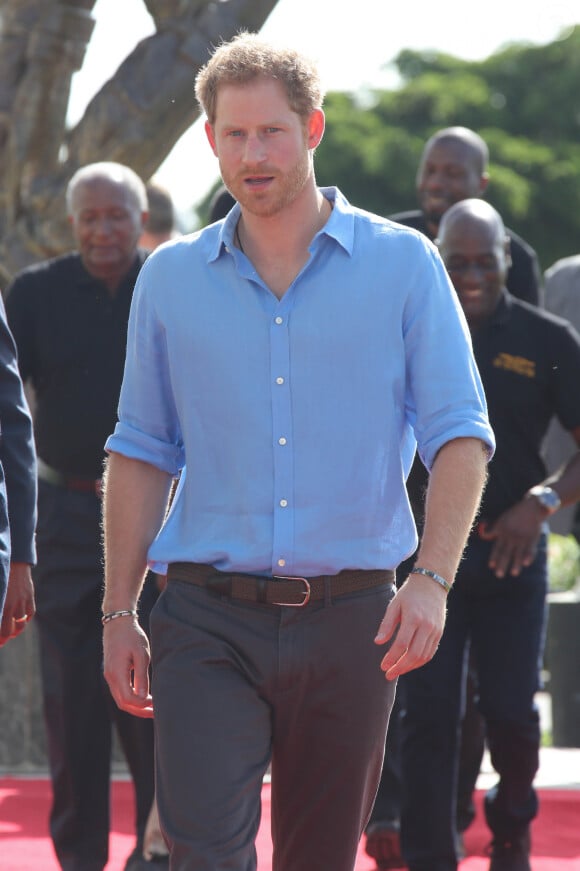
(284,363)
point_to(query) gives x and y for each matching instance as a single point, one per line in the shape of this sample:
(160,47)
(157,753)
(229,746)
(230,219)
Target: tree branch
(138,116)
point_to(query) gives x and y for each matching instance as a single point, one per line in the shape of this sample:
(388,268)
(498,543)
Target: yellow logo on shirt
(519,365)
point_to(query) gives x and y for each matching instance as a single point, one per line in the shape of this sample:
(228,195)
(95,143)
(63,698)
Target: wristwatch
(547,497)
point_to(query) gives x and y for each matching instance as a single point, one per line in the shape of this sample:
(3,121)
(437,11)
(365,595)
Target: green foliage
(373,162)
(369,160)
(563,563)
(524,102)
(438,98)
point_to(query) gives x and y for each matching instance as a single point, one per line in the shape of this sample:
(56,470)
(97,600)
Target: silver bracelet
(428,573)
(112,615)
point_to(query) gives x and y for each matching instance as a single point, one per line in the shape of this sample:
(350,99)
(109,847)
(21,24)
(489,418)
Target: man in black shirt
(69,319)
(530,364)
(454,166)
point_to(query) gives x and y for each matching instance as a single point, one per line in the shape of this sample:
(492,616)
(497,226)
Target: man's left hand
(414,620)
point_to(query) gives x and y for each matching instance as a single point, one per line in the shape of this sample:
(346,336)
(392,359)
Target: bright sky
(352,49)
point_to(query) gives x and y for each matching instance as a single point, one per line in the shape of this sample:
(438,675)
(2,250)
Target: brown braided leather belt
(289,591)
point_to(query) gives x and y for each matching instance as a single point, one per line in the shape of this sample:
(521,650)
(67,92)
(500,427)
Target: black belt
(69,482)
(277,590)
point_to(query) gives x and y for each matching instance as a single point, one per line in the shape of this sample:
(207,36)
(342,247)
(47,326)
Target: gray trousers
(238,686)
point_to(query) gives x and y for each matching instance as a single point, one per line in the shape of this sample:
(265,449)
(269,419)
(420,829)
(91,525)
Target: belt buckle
(306,592)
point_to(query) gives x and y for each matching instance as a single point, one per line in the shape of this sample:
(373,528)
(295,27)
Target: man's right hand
(126,663)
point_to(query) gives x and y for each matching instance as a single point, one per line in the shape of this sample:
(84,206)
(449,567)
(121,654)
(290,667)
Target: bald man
(530,364)
(455,166)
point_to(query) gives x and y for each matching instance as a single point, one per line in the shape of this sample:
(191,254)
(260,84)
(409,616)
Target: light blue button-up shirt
(294,422)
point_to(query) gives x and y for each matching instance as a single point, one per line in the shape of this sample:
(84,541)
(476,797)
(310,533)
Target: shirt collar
(84,277)
(502,310)
(221,234)
(339,226)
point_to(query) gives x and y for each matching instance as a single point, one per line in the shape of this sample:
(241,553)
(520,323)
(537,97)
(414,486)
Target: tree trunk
(136,118)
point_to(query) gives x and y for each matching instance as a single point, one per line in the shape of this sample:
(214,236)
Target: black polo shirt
(71,335)
(529,363)
(523,280)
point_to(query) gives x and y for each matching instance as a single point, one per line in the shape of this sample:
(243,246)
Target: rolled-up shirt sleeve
(148,427)
(445,395)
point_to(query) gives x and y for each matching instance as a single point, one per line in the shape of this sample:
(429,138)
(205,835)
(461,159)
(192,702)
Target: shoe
(383,844)
(510,854)
(137,862)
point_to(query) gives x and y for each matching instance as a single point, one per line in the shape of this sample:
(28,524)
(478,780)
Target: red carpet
(25,845)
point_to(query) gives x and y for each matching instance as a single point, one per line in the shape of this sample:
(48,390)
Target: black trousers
(502,621)
(387,807)
(78,708)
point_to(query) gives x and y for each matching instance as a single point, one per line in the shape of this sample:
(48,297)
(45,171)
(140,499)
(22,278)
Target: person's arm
(515,533)
(18,458)
(415,618)
(135,502)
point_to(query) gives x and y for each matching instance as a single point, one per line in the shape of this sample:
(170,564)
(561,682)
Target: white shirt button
(283,503)
(281,563)
(279,381)
(282,441)
(278,320)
